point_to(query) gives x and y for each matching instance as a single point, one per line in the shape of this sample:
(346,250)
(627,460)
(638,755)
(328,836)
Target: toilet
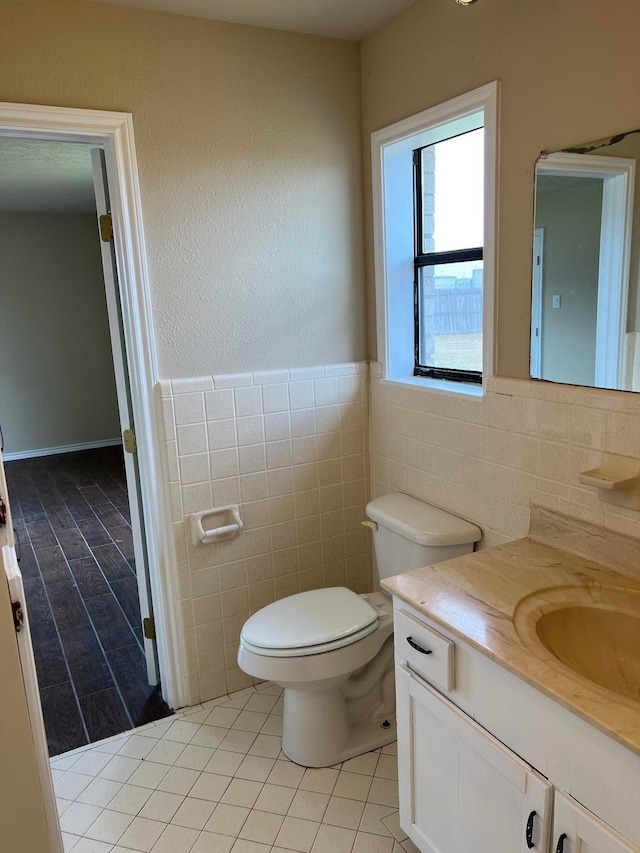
(332,650)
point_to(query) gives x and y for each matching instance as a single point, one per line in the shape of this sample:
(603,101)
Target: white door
(465,790)
(28,816)
(114,310)
(576,830)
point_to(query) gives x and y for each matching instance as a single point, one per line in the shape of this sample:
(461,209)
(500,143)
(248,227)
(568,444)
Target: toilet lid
(309,619)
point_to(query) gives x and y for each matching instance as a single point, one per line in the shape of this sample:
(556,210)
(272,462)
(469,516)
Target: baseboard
(65,448)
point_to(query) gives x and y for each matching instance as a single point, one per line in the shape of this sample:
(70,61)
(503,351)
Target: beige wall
(489,459)
(553,95)
(56,384)
(249,152)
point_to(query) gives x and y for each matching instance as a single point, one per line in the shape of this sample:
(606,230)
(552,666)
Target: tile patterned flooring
(71,515)
(213,779)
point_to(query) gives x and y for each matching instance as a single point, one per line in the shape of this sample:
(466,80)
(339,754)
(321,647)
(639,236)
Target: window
(434,227)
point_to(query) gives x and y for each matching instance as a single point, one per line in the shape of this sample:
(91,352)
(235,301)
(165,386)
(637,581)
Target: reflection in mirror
(585,312)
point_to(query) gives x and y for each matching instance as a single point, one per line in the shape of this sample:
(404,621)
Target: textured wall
(487,459)
(291,447)
(249,152)
(553,95)
(56,384)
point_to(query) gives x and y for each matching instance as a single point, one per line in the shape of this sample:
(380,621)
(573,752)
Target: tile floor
(71,515)
(213,779)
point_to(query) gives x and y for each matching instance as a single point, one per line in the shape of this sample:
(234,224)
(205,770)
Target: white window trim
(485,98)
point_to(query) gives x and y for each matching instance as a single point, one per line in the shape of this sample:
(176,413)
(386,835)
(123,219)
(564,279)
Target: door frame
(114,132)
(618,176)
(535,360)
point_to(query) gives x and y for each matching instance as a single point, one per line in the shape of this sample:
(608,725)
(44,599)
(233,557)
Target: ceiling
(51,177)
(345,19)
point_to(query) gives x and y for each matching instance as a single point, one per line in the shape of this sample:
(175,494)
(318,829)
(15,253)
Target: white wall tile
(248,401)
(233,380)
(219,405)
(275,398)
(251,440)
(301,395)
(189,408)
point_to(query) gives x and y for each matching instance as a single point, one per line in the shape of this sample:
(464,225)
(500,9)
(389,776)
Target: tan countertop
(475,598)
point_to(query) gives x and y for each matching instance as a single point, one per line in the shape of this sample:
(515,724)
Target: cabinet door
(576,830)
(461,790)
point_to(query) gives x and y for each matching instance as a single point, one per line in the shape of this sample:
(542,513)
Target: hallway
(71,515)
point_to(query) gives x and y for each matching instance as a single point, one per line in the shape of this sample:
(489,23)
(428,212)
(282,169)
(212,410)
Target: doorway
(66,397)
(584,206)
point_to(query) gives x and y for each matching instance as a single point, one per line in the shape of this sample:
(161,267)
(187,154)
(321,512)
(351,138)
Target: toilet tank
(411,534)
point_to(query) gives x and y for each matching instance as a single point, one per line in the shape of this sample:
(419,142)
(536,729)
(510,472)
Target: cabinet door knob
(418,648)
(560,845)
(529,831)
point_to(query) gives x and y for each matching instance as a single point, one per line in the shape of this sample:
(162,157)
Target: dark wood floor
(71,514)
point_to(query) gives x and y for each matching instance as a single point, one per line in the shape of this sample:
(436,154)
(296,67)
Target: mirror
(585,307)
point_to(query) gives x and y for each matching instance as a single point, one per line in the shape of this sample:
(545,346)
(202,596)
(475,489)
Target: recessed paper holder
(617,480)
(215,525)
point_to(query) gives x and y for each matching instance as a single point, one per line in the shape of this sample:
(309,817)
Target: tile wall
(488,459)
(289,446)
(292,448)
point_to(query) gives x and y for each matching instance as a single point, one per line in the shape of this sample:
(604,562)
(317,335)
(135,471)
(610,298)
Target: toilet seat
(309,623)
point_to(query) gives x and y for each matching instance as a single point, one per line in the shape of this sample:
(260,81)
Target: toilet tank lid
(420,522)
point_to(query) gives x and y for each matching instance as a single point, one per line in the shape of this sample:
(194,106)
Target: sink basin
(594,631)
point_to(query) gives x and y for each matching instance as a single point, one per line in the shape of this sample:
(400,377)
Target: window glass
(453,193)
(450,316)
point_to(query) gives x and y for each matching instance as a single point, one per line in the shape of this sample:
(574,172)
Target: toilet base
(318,733)
(326,722)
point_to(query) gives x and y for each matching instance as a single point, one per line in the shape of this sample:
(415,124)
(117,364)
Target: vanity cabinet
(487,763)
(460,788)
(576,830)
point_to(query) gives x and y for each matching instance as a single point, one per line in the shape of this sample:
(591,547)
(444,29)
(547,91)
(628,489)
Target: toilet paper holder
(215,525)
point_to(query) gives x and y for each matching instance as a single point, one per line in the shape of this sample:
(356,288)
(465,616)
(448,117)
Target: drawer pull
(560,847)
(529,831)
(418,648)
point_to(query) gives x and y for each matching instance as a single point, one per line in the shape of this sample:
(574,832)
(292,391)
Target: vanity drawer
(426,652)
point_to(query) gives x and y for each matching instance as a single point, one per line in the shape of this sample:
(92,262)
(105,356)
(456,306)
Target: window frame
(429,259)
(395,256)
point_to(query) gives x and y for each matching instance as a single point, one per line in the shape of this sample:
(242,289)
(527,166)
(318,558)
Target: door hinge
(129,441)
(18,615)
(106,228)
(149,628)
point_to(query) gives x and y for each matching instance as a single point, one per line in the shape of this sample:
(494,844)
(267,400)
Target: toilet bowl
(332,650)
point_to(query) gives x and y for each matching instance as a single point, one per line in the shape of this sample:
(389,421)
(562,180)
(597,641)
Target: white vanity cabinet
(576,830)
(482,768)
(460,788)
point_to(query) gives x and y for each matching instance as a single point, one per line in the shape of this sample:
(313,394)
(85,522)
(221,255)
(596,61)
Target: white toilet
(332,650)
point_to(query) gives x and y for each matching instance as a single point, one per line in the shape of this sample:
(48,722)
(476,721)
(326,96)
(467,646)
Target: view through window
(449,218)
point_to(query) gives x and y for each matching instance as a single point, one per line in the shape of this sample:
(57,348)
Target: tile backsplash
(302,451)
(488,459)
(289,446)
